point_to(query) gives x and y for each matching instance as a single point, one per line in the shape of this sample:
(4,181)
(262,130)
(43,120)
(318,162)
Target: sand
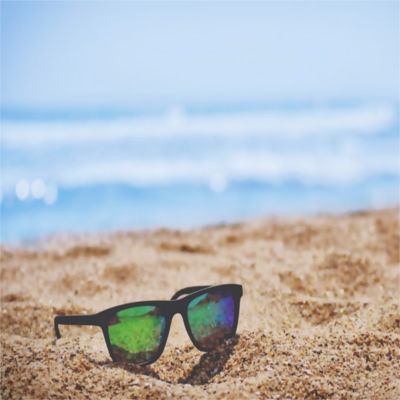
(320,314)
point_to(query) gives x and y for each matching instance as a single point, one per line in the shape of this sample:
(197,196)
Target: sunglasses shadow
(135,369)
(211,363)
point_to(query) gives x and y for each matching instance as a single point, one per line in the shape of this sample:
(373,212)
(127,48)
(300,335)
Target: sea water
(186,166)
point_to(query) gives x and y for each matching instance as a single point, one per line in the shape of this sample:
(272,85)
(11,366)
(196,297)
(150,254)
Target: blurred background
(124,115)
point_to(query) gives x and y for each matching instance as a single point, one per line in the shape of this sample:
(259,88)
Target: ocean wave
(291,124)
(321,169)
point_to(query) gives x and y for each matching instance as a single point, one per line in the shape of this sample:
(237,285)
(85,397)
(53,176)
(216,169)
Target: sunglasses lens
(211,317)
(136,333)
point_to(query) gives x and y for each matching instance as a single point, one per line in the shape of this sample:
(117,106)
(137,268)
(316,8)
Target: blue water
(98,170)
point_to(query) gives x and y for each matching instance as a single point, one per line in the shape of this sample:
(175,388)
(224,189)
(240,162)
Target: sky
(85,54)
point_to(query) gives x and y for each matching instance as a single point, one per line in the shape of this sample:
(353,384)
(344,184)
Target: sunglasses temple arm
(74,320)
(187,290)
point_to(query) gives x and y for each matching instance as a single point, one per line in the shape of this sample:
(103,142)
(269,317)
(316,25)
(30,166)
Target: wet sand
(320,313)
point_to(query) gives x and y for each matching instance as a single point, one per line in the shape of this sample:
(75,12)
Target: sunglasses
(137,332)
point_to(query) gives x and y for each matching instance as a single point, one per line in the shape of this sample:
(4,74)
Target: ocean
(186,166)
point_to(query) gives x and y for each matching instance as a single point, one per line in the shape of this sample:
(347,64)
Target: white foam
(364,120)
(51,194)
(216,171)
(38,188)
(22,189)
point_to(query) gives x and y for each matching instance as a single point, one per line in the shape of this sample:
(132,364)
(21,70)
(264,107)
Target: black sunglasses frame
(167,308)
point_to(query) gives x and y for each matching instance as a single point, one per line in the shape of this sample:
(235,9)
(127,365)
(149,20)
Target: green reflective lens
(136,333)
(211,317)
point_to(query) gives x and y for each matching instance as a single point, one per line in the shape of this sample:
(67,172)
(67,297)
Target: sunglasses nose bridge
(179,307)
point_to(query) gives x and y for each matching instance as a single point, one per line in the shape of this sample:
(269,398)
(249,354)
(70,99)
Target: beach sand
(320,313)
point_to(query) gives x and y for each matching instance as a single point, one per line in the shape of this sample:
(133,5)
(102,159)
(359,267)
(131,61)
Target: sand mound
(320,315)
